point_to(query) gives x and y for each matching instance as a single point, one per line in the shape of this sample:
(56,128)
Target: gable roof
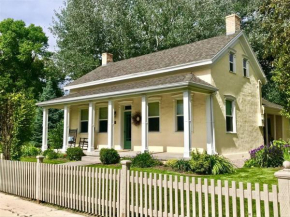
(136,87)
(200,51)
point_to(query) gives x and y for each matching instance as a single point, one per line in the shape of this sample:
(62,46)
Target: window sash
(103,119)
(232,62)
(230,116)
(154,117)
(245,68)
(179,116)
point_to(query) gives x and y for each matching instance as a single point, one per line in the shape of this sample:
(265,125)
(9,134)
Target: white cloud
(38,12)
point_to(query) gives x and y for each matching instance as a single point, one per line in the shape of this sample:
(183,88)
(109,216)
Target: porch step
(91,159)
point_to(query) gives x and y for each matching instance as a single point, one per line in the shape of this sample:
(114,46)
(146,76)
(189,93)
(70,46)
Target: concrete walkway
(11,206)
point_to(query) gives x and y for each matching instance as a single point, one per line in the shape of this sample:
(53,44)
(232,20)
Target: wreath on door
(136,118)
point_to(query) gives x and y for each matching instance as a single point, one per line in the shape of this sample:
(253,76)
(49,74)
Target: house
(204,95)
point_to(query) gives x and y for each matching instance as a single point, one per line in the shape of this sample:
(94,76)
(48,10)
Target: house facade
(200,96)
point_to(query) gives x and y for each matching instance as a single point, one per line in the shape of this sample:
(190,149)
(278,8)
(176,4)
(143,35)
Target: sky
(38,12)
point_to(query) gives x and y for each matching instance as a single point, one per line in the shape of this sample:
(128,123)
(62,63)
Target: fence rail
(113,192)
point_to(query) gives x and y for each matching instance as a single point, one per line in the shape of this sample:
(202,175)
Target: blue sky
(38,12)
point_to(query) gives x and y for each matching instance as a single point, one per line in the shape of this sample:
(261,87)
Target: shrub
(203,163)
(267,156)
(182,165)
(29,150)
(50,154)
(109,156)
(75,153)
(171,163)
(145,160)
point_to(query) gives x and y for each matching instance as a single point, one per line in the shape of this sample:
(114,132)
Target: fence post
(39,161)
(123,187)
(284,189)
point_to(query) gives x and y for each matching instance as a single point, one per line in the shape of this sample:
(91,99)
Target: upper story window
(246,68)
(103,119)
(232,62)
(84,120)
(230,116)
(179,115)
(153,117)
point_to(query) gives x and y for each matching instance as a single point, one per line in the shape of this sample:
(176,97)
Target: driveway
(11,206)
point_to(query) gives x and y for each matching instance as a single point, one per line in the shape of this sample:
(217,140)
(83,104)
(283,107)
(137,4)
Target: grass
(252,175)
(54,161)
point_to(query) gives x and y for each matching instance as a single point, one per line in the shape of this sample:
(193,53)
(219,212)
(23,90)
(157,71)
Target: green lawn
(252,175)
(54,161)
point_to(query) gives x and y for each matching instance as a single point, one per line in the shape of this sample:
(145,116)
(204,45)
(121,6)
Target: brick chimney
(233,24)
(107,58)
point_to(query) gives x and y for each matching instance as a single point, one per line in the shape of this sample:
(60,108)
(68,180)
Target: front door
(127,130)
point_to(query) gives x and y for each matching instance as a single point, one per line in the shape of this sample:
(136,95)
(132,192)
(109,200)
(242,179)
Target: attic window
(232,62)
(246,67)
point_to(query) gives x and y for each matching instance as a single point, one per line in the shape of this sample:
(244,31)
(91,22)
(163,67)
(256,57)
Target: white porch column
(110,124)
(210,132)
(65,127)
(44,129)
(144,120)
(91,127)
(187,123)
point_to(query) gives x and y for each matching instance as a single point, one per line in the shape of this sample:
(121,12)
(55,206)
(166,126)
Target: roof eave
(129,92)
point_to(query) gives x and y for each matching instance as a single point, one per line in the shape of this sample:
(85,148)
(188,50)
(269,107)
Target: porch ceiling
(188,80)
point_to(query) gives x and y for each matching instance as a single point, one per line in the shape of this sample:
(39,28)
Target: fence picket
(212,186)
(219,191)
(258,198)
(176,196)
(227,201)
(146,193)
(275,200)
(193,190)
(187,188)
(249,196)
(141,193)
(182,195)
(199,197)
(242,202)
(206,208)
(171,196)
(234,198)
(160,195)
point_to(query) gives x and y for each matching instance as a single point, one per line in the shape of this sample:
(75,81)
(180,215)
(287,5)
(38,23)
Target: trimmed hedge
(75,153)
(109,156)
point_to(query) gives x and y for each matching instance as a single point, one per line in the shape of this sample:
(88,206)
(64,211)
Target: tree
(23,55)
(86,29)
(54,115)
(16,117)
(276,26)
(55,136)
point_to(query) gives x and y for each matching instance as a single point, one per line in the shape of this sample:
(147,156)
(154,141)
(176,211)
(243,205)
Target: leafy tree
(276,26)
(54,115)
(16,116)
(85,29)
(23,55)
(55,136)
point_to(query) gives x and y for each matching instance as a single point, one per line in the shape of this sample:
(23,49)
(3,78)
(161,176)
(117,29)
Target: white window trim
(234,62)
(233,100)
(80,119)
(153,101)
(247,68)
(175,115)
(98,115)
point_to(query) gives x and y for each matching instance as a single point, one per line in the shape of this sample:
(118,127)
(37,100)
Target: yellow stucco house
(205,95)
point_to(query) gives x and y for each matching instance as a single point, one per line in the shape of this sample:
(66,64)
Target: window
(84,120)
(103,120)
(232,62)
(179,115)
(245,68)
(230,116)
(153,117)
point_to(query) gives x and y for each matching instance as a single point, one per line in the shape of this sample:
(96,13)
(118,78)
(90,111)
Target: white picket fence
(113,192)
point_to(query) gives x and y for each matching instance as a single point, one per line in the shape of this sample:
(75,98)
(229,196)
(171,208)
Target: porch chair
(84,143)
(72,138)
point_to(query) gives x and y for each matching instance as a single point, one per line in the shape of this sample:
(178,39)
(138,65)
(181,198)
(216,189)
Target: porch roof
(269,104)
(136,87)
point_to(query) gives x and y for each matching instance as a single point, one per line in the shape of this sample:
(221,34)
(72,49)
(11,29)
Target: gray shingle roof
(152,82)
(197,51)
(269,104)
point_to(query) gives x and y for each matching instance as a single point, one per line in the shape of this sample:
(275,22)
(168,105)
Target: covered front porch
(173,120)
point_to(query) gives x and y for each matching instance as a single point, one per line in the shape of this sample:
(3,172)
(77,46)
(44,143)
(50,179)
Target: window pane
(84,126)
(179,107)
(180,123)
(153,109)
(153,124)
(231,67)
(103,113)
(244,63)
(229,107)
(103,126)
(84,114)
(230,124)
(245,72)
(231,57)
